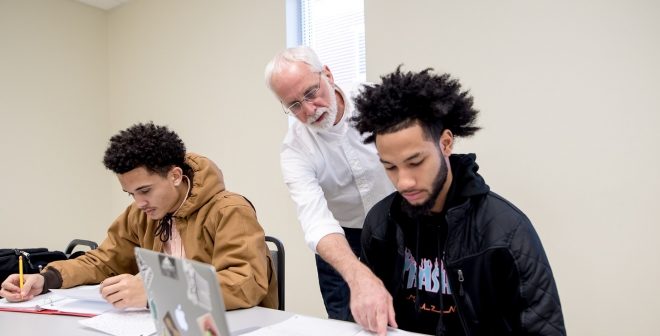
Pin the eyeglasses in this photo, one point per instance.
(296, 107)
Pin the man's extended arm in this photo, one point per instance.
(371, 303)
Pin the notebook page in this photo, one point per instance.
(79, 306)
(34, 304)
(124, 323)
(298, 325)
(88, 293)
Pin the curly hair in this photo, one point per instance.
(146, 145)
(402, 99)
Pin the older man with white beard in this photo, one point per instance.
(334, 180)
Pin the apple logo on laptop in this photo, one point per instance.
(180, 317)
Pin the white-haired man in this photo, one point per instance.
(334, 179)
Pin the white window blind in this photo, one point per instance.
(335, 30)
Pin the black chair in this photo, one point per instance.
(79, 242)
(278, 258)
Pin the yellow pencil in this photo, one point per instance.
(20, 274)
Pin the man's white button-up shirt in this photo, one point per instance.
(333, 177)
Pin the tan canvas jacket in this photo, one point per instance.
(217, 227)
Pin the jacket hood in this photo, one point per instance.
(207, 182)
(467, 182)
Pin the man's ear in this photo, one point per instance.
(326, 71)
(446, 142)
(176, 174)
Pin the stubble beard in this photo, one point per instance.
(424, 209)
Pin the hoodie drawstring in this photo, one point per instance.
(164, 228)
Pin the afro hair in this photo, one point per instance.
(145, 145)
(434, 101)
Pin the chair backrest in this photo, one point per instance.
(79, 242)
(278, 257)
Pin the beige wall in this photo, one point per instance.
(568, 94)
(53, 84)
(197, 66)
(72, 75)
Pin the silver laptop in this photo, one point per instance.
(183, 295)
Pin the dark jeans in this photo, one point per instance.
(335, 291)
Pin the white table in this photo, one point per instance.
(27, 324)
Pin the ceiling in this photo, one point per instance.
(104, 4)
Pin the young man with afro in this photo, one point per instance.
(457, 258)
(181, 208)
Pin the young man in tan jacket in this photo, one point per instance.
(181, 208)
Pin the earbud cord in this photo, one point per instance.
(187, 193)
(164, 228)
(177, 209)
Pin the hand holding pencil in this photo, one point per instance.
(11, 290)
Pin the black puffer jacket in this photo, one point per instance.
(498, 272)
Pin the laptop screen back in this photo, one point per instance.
(183, 295)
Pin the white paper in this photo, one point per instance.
(298, 325)
(390, 332)
(89, 293)
(36, 302)
(79, 306)
(128, 323)
(59, 300)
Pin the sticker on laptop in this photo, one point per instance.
(145, 271)
(153, 309)
(207, 325)
(199, 290)
(167, 267)
(170, 325)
